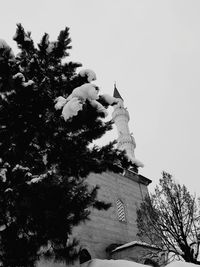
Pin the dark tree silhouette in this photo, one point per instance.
(44, 160)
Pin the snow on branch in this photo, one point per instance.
(74, 102)
(90, 74)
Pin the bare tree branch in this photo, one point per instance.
(169, 219)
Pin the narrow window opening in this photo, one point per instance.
(121, 211)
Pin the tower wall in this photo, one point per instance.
(121, 118)
(104, 227)
(125, 139)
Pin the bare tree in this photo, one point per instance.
(170, 219)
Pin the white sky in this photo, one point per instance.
(151, 48)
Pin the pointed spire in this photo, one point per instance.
(116, 93)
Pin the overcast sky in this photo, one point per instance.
(151, 48)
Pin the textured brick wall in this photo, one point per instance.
(104, 228)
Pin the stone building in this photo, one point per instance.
(112, 234)
(108, 230)
(115, 227)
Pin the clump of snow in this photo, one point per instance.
(27, 39)
(51, 67)
(29, 83)
(100, 108)
(137, 163)
(8, 190)
(110, 99)
(60, 102)
(4, 45)
(72, 108)
(15, 36)
(50, 47)
(20, 167)
(35, 180)
(2, 227)
(28, 174)
(19, 75)
(3, 174)
(90, 74)
(74, 102)
(64, 78)
(86, 91)
(18, 56)
(41, 177)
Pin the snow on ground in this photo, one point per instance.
(125, 263)
(180, 264)
(111, 263)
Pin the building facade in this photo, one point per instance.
(113, 233)
(108, 229)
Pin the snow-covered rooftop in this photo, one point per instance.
(134, 243)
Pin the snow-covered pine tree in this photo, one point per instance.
(44, 160)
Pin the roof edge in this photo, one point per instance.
(133, 244)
